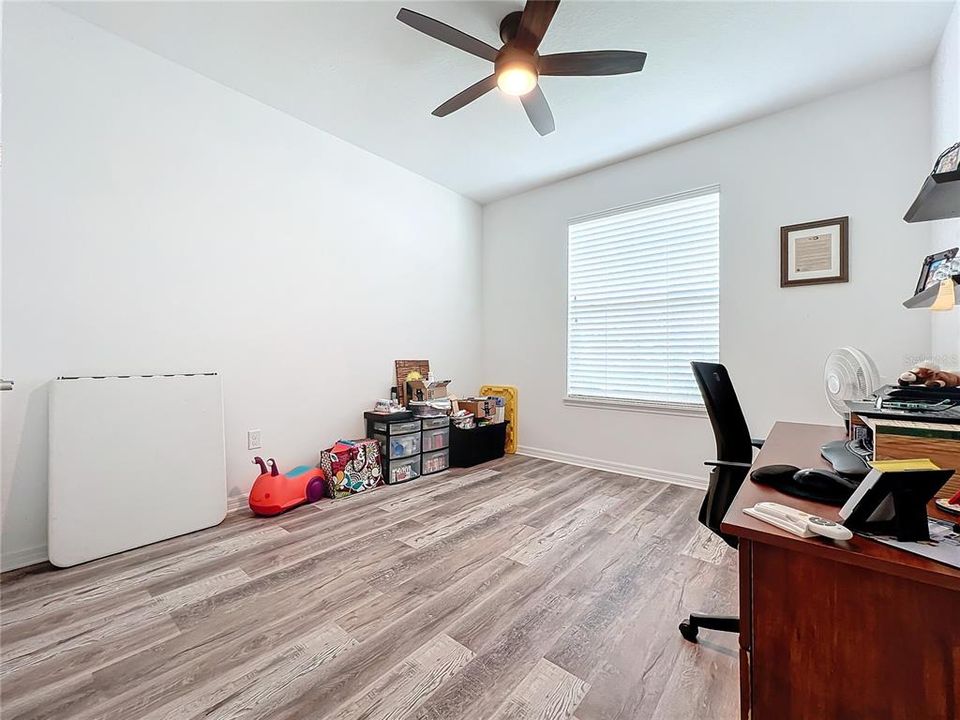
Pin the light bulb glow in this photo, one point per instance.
(517, 80)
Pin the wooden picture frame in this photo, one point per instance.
(403, 368)
(815, 253)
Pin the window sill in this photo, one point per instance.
(638, 406)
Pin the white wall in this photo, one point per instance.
(155, 221)
(945, 131)
(860, 154)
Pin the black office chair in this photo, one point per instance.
(734, 457)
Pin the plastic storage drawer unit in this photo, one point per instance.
(399, 471)
(397, 428)
(436, 439)
(432, 423)
(399, 446)
(435, 462)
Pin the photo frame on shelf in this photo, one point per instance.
(949, 160)
(815, 253)
(930, 265)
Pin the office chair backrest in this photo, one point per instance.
(733, 444)
(729, 426)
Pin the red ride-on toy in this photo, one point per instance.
(272, 493)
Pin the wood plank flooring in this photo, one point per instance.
(523, 589)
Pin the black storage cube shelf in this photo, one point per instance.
(477, 445)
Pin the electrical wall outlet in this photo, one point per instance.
(253, 440)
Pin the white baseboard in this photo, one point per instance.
(691, 481)
(32, 556)
(22, 558)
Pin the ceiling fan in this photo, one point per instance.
(518, 65)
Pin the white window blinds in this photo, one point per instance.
(644, 300)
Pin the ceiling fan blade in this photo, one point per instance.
(467, 96)
(449, 35)
(534, 22)
(596, 62)
(538, 110)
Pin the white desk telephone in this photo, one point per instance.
(797, 522)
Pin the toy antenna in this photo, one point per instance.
(273, 467)
(259, 461)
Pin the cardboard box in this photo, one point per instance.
(422, 390)
(482, 408)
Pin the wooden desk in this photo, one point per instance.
(839, 630)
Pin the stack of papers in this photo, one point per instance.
(943, 545)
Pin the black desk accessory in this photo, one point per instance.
(811, 484)
(915, 402)
(896, 504)
(921, 393)
(848, 457)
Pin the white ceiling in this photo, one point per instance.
(352, 69)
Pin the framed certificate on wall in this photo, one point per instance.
(814, 253)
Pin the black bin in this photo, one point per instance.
(477, 445)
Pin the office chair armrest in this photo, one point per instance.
(757, 442)
(726, 463)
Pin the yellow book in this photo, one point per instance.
(903, 465)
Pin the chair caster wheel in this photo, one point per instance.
(688, 631)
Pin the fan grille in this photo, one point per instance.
(849, 374)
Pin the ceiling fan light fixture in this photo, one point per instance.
(518, 64)
(517, 79)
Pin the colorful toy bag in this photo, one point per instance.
(351, 466)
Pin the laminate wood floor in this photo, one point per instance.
(520, 589)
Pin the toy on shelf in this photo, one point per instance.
(273, 492)
(929, 375)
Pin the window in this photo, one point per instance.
(643, 301)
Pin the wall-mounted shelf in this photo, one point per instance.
(939, 198)
(925, 299)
